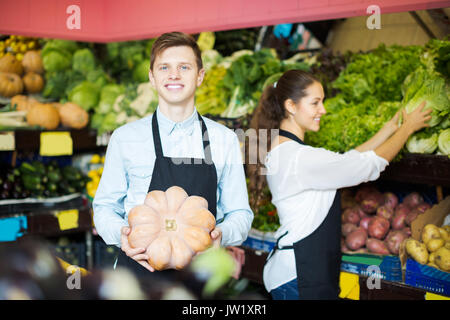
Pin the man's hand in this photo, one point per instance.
(137, 254)
(216, 236)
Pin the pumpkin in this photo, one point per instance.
(10, 84)
(32, 62)
(33, 82)
(23, 103)
(9, 63)
(73, 116)
(44, 115)
(172, 226)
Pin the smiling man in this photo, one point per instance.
(173, 146)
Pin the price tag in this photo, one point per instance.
(56, 144)
(433, 296)
(349, 284)
(67, 219)
(7, 141)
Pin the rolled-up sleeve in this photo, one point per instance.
(233, 200)
(321, 169)
(108, 204)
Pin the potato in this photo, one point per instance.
(431, 264)
(430, 231)
(417, 250)
(442, 259)
(447, 228)
(431, 257)
(434, 244)
(377, 246)
(444, 234)
(447, 245)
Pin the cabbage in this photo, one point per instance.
(417, 144)
(140, 72)
(57, 54)
(83, 60)
(56, 60)
(444, 142)
(85, 94)
(433, 91)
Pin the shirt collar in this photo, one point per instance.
(167, 126)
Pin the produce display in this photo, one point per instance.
(172, 226)
(95, 173)
(376, 222)
(375, 85)
(38, 180)
(433, 249)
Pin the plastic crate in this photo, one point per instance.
(104, 255)
(389, 266)
(427, 278)
(74, 253)
(259, 240)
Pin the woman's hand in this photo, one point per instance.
(417, 119)
(393, 124)
(412, 122)
(137, 254)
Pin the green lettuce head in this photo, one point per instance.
(417, 143)
(86, 95)
(433, 90)
(83, 61)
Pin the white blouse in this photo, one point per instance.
(303, 181)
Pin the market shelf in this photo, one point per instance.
(389, 290)
(72, 216)
(420, 169)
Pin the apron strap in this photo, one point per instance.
(157, 138)
(290, 135)
(205, 138)
(277, 247)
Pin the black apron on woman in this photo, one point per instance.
(318, 256)
(196, 176)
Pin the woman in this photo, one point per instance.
(303, 180)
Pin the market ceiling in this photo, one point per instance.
(116, 20)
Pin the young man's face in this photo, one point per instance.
(175, 76)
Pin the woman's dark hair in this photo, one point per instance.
(268, 115)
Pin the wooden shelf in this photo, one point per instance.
(83, 140)
(420, 169)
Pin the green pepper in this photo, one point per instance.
(26, 168)
(39, 166)
(31, 182)
(54, 175)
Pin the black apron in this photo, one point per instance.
(196, 176)
(318, 256)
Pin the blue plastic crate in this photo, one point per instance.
(258, 244)
(427, 278)
(390, 266)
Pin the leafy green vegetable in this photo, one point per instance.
(85, 94)
(140, 72)
(422, 144)
(83, 60)
(216, 266)
(57, 54)
(56, 60)
(432, 89)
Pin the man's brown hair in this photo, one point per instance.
(175, 39)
